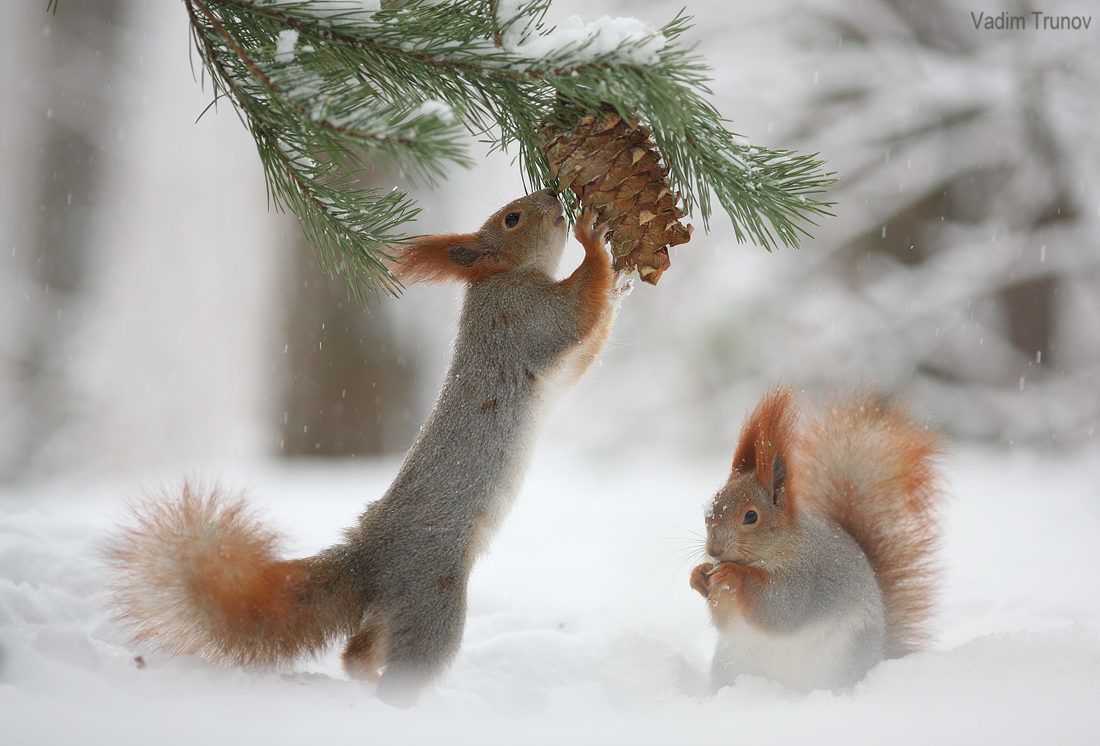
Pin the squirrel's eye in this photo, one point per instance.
(511, 219)
(750, 517)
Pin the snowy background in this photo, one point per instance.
(155, 320)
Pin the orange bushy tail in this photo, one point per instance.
(198, 575)
(872, 469)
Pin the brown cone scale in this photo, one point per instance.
(613, 164)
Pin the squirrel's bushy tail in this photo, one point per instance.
(873, 470)
(196, 574)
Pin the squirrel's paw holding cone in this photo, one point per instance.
(590, 229)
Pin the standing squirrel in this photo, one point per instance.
(823, 543)
(198, 575)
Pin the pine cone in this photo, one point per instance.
(613, 164)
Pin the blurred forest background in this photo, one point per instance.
(155, 315)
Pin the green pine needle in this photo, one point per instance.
(326, 89)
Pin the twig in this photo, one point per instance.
(498, 38)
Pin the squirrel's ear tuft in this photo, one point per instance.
(766, 442)
(744, 459)
(453, 256)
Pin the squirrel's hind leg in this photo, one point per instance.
(365, 652)
(424, 635)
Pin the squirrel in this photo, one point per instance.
(198, 575)
(822, 543)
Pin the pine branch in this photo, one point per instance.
(327, 88)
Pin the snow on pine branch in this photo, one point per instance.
(284, 45)
(630, 39)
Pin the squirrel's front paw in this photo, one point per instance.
(590, 229)
(700, 579)
(725, 577)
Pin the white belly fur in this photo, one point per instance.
(818, 656)
(551, 384)
(500, 502)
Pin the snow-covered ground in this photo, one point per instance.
(582, 628)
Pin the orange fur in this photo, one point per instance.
(731, 589)
(700, 582)
(769, 432)
(593, 344)
(754, 581)
(591, 282)
(449, 257)
(724, 594)
(197, 575)
(872, 470)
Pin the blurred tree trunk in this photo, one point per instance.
(74, 61)
(349, 385)
(1030, 312)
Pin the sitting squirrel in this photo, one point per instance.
(197, 575)
(822, 543)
